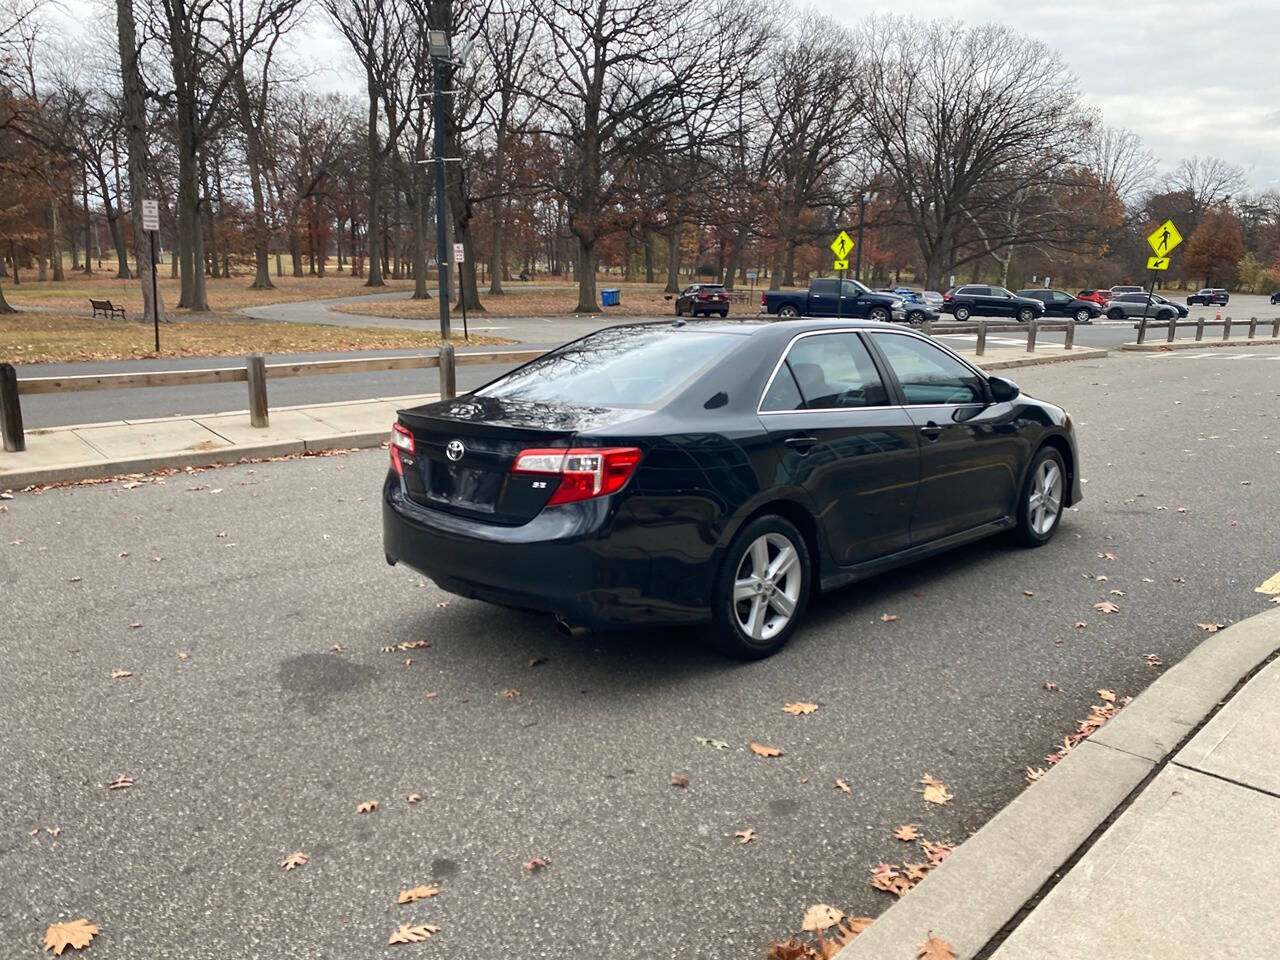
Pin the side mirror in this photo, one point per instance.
(1002, 390)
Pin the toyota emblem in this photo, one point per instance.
(454, 450)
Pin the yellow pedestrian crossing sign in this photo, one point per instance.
(1163, 239)
(842, 246)
(842, 265)
(1157, 263)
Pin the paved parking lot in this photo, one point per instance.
(251, 606)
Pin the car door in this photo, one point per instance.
(822, 298)
(969, 447)
(1003, 302)
(842, 438)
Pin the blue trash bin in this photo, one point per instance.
(611, 297)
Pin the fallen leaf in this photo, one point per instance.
(906, 832)
(414, 798)
(53, 831)
(1209, 627)
(746, 836)
(33, 831)
(1116, 593)
(1035, 773)
(679, 780)
(708, 742)
(1027, 593)
(183, 655)
(1106, 606)
(935, 949)
(369, 806)
(1101, 578)
(537, 661)
(1106, 556)
(536, 864)
(889, 617)
(1152, 659)
(134, 626)
(1080, 625)
(1107, 695)
(884, 877)
(511, 694)
(294, 860)
(416, 894)
(799, 709)
(843, 787)
(1059, 640)
(120, 783)
(77, 935)
(1147, 580)
(121, 674)
(75, 579)
(762, 750)
(1050, 685)
(336, 648)
(935, 791)
(122, 554)
(821, 916)
(407, 933)
(936, 852)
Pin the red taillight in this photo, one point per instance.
(763, 302)
(584, 472)
(946, 296)
(401, 439)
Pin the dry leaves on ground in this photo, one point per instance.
(935, 949)
(120, 783)
(1034, 774)
(121, 674)
(821, 916)
(1099, 714)
(1152, 659)
(843, 787)
(1209, 627)
(294, 860)
(77, 935)
(535, 864)
(369, 806)
(511, 694)
(1106, 556)
(763, 750)
(1106, 606)
(1050, 685)
(537, 661)
(747, 835)
(411, 933)
(885, 877)
(679, 780)
(709, 742)
(799, 709)
(935, 791)
(841, 932)
(889, 617)
(906, 832)
(417, 893)
(1107, 695)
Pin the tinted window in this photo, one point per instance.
(976, 291)
(826, 288)
(928, 374)
(626, 366)
(1000, 292)
(1131, 298)
(783, 394)
(835, 370)
(1035, 294)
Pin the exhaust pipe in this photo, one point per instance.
(568, 629)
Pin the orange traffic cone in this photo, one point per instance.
(1218, 318)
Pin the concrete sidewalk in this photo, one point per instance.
(60, 454)
(1158, 837)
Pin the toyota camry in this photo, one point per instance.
(718, 472)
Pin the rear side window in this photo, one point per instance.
(825, 288)
(624, 367)
(927, 374)
(783, 394)
(835, 370)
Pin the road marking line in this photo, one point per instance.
(1270, 586)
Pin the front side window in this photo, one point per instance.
(927, 374)
(834, 370)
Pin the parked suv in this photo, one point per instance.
(1100, 297)
(1133, 305)
(1210, 297)
(707, 298)
(979, 300)
(1059, 303)
(1125, 288)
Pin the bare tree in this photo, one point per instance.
(1120, 161)
(1207, 181)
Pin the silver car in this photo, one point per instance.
(1133, 305)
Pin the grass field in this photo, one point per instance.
(46, 337)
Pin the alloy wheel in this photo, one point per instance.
(766, 586)
(1045, 501)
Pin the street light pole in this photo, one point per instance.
(863, 199)
(438, 47)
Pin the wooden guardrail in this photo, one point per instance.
(256, 372)
(1033, 328)
(1200, 323)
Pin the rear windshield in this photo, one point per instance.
(624, 367)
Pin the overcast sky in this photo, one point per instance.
(1191, 77)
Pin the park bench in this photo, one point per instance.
(106, 308)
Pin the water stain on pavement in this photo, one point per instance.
(442, 869)
(315, 681)
(785, 807)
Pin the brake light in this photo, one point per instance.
(946, 296)
(703, 295)
(401, 440)
(763, 301)
(584, 472)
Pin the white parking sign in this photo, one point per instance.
(150, 215)
(458, 253)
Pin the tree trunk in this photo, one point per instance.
(374, 156)
(735, 260)
(585, 267)
(418, 210)
(253, 160)
(295, 250)
(279, 264)
(88, 221)
(648, 258)
(4, 304)
(673, 257)
(135, 124)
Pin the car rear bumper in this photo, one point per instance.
(563, 562)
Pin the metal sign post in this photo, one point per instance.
(459, 257)
(151, 224)
(1163, 239)
(841, 246)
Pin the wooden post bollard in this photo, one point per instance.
(1253, 327)
(1275, 328)
(1226, 329)
(256, 369)
(1142, 330)
(448, 372)
(982, 337)
(1173, 329)
(1199, 329)
(10, 411)
(1032, 327)
(1069, 339)
(927, 328)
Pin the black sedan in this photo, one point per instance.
(980, 300)
(1059, 303)
(720, 472)
(1275, 298)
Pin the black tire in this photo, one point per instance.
(879, 313)
(1116, 314)
(1083, 315)
(1163, 315)
(962, 313)
(728, 635)
(915, 316)
(723, 314)
(1026, 315)
(788, 311)
(679, 312)
(1031, 531)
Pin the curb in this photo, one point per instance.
(1158, 346)
(985, 884)
(223, 456)
(1076, 353)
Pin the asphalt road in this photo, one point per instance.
(285, 714)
